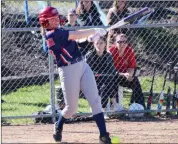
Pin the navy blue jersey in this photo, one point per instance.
(63, 50)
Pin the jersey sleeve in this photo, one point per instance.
(132, 59)
(62, 36)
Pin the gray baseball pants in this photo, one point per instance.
(74, 78)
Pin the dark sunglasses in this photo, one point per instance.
(119, 42)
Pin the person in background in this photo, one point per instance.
(101, 63)
(75, 74)
(72, 18)
(88, 14)
(125, 63)
(117, 12)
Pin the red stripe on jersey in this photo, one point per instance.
(50, 42)
(51, 31)
(52, 53)
(66, 52)
(63, 59)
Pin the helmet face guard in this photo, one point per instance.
(44, 22)
(48, 14)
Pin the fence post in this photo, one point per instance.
(26, 11)
(52, 88)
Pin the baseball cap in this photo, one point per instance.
(72, 11)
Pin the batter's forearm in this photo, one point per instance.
(80, 34)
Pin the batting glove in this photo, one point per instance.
(100, 31)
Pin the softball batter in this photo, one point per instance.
(74, 72)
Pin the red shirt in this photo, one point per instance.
(122, 63)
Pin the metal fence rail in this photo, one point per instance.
(26, 87)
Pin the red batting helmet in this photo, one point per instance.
(46, 14)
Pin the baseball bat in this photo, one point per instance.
(151, 89)
(106, 75)
(26, 12)
(168, 97)
(129, 18)
(168, 103)
(113, 75)
(175, 94)
(120, 23)
(161, 98)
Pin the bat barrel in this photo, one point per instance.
(137, 14)
(129, 18)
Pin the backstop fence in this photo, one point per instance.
(30, 82)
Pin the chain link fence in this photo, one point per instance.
(30, 79)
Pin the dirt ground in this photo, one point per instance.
(132, 131)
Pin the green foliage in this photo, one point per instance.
(162, 42)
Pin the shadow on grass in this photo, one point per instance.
(122, 117)
(30, 104)
(9, 109)
(36, 104)
(145, 118)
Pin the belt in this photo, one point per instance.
(75, 60)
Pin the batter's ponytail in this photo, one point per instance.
(43, 32)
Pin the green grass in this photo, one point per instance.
(157, 87)
(158, 83)
(28, 100)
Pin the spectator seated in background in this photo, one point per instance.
(72, 18)
(83, 44)
(117, 12)
(125, 63)
(101, 63)
(88, 14)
